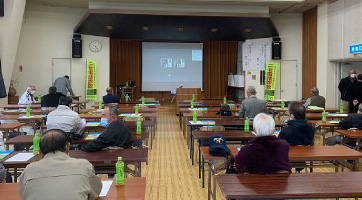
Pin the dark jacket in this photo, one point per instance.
(346, 87)
(352, 121)
(51, 100)
(297, 132)
(116, 134)
(264, 155)
(110, 98)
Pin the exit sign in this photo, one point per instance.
(355, 49)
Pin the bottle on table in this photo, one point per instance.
(36, 146)
(127, 83)
(127, 98)
(192, 104)
(246, 125)
(282, 104)
(194, 117)
(224, 100)
(27, 111)
(324, 116)
(143, 100)
(39, 98)
(119, 172)
(193, 97)
(341, 108)
(136, 110)
(100, 105)
(139, 128)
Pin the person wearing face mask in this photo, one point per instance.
(297, 131)
(28, 96)
(349, 95)
(116, 133)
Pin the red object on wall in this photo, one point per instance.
(20, 68)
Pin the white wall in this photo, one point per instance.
(47, 34)
(290, 28)
(10, 34)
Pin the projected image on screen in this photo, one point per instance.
(167, 66)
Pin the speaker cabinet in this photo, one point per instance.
(76, 48)
(277, 50)
(2, 8)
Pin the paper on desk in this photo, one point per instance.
(20, 157)
(106, 185)
(334, 122)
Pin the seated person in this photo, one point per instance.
(315, 99)
(58, 176)
(51, 100)
(252, 106)
(265, 154)
(116, 133)
(110, 97)
(297, 131)
(27, 97)
(64, 118)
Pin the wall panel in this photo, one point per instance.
(309, 70)
(220, 59)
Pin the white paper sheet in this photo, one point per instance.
(20, 157)
(106, 185)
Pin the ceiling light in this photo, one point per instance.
(109, 27)
(145, 28)
(248, 30)
(214, 30)
(180, 29)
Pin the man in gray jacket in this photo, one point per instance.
(58, 176)
(63, 84)
(252, 106)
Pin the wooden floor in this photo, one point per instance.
(169, 172)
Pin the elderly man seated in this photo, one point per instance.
(252, 106)
(265, 154)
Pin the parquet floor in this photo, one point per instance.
(169, 172)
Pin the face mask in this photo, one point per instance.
(104, 122)
(32, 92)
(353, 75)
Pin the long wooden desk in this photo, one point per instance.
(353, 134)
(318, 116)
(14, 106)
(204, 103)
(134, 188)
(296, 154)
(7, 127)
(104, 158)
(19, 112)
(222, 122)
(324, 127)
(298, 185)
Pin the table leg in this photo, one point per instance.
(151, 142)
(356, 165)
(209, 181)
(15, 174)
(6, 138)
(199, 141)
(214, 185)
(180, 119)
(192, 148)
(203, 172)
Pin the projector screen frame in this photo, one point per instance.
(173, 41)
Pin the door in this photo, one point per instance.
(61, 67)
(288, 79)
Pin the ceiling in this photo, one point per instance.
(276, 6)
(177, 28)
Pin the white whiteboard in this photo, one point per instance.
(256, 53)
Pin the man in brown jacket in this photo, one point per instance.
(58, 176)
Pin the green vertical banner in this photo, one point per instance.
(91, 81)
(270, 80)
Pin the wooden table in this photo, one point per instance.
(7, 127)
(354, 134)
(78, 105)
(19, 112)
(296, 154)
(223, 122)
(28, 139)
(104, 158)
(14, 106)
(298, 185)
(324, 127)
(204, 103)
(279, 112)
(134, 188)
(330, 116)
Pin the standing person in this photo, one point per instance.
(28, 96)
(58, 176)
(63, 84)
(348, 94)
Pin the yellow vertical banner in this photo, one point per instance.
(91, 80)
(270, 80)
